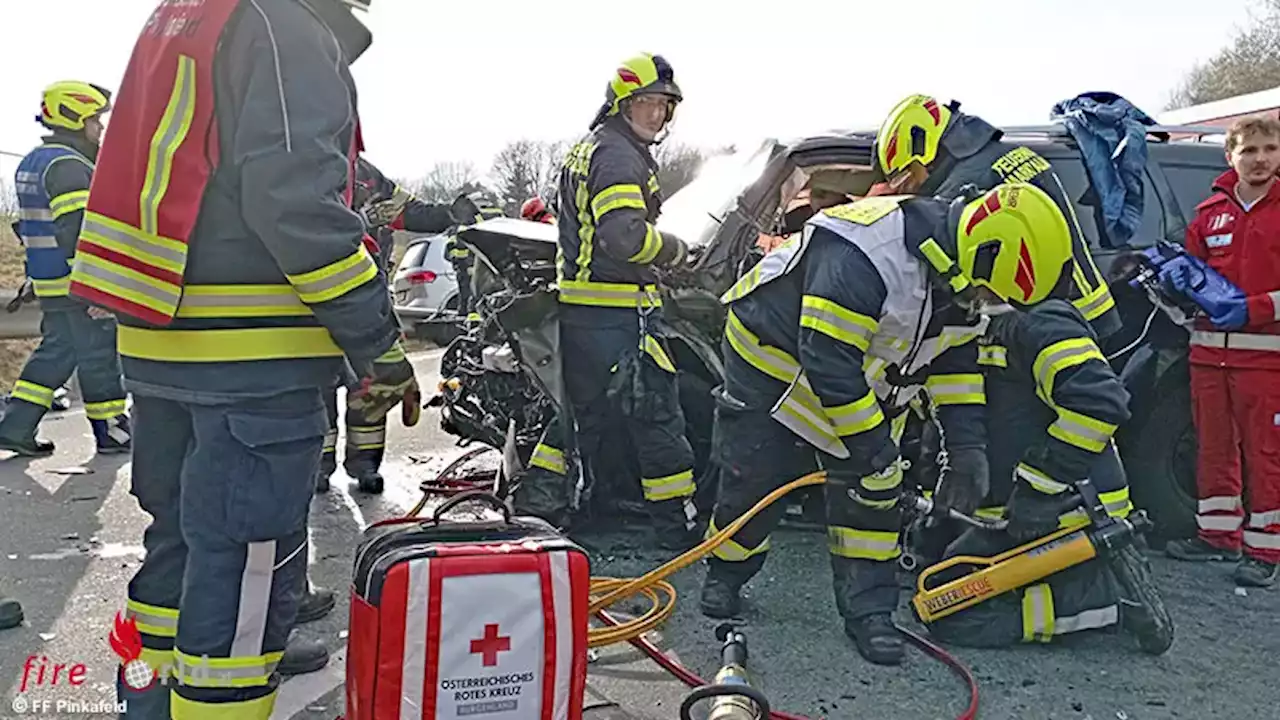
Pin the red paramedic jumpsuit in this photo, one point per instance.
(1235, 376)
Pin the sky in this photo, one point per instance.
(450, 81)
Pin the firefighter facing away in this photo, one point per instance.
(241, 281)
(926, 148)
(473, 207)
(616, 366)
(53, 186)
(828, 341)
(385, 207)
(1053, 405)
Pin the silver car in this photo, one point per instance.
(426, 289)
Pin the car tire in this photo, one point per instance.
(1161, 464)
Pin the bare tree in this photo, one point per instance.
(677, 166)
(444, 181)
(524, 168)
(1249, 64)
(8, 202)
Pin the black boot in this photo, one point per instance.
(877, 639)
(29, 447)
(370, 481)
(1142, 610)
(328, 466)
(302, 657)
(675, 524)
(10, 613)
(315, 604)
(722, 588)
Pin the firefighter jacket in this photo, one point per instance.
(52, 183)
(975, 155)
(610, 199)
(849, 323)
(1244, 246)
(1053, 404)
(239, 273)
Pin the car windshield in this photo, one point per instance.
(694, 212)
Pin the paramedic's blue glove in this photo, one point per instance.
(1225, 314)
(1177, 275)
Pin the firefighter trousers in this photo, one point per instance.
(1237, 416)
(462, 274)
(229, 488)
(70, 342)
(366, 441)
(545, 489)
(755, 456)
(610, 379)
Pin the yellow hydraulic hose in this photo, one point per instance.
(654, 586)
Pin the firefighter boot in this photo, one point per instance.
(866, 596)
(674, 523)
(113, 435)
(370, 481)
(328, 466)
(1142, 610)
(302, 657)
(28, 447)
(10, 613)
(316, 603)
(722, 588)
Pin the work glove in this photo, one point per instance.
(387, 382)
(381, 213)
(673, 252)
(464, 210)
(966, 480)
(1031, 513)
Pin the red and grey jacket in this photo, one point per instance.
(219, 225)
(1244, 246)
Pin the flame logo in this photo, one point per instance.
(126, 643)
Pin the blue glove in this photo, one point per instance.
(1225, 314)
(1177, 275)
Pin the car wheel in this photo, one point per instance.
(1161, 464)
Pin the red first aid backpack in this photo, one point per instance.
(474, 618)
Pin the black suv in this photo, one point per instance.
(742, 199)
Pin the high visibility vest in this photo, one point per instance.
(47, 264)
(875, 226)
(154, 166)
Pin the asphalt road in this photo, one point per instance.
(70, 538)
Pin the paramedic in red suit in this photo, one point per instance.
(1235, 362)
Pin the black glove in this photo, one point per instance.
(1031, 513)
(673, 252)
(387, 382)
(966, 481)
(464, 210)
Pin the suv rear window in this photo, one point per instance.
(414, 254)
(1088, 207)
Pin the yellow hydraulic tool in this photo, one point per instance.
(1025, 564)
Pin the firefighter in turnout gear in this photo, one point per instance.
(470, 208)
(240, 279)
(616, 366)
(926, 148)
(53, 186)
(1053, 405)
(385, 207)
(828, 340)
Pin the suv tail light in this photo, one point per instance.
(420, 277)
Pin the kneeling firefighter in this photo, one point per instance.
(616, 367)
(926, 148)
(828, 340)
(1053, 404)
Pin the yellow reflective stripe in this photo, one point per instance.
(1116, 503)
(586, 231)
(574, 292)
(1060, 356)
(995, 512)
(33, 393)
(957, 389)
(993, 356)
(1039, 480)
(127, 283)
(330, 441)
(371, 437)
(616, 197)
(105, 410)
(1037, 614)
(1081, 431)
(887, 479)
(733, 551)
(864, 544)
(153, 619)
(838, 322)
(771, 361)
(665, 488)
(150, 248)
(57, 287)
(856, 417)
(168, 137)
(335, 279)
(652, 246)
(654, 349)
(394, 354)
(233, 301)
(1095, 302)
(159, 660)
(204, 671)
(226, 345)
(67, 203)
(548, 458)
(259, 709)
